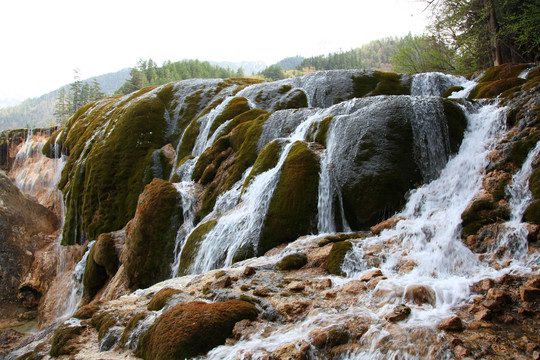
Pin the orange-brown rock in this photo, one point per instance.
(452, 323)
(384, 225)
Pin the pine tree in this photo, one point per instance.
(75, 91)
(95, 91)
(61, 108)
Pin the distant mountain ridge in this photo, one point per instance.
(39, 111)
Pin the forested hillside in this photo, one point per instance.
(39, 112)
(375, 55)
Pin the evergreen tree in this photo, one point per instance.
(75, 92)
(95, 91)
(62, 110)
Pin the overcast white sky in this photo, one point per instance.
(42, 41)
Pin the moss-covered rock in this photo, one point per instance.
(482, 212)
(87, 311)
(337, 256)
(191, 329)
(493, 89)
(102, 321)
(293, 209)
(319, 130)
(100, 182)
(381, 172)
(295, 99)
(457, 123)
(150, 239)
(95, 276)
(532, 213)
(224, 163)
(193, 242)
(161, 298)
(380, 83)
(64, 341)
(105, 254)
(451, 90)
(267, 159)
(522, 147)
(130, 326)
(504, 71)
(292, 262)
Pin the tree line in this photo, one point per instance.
(147, 73)
(79, 94)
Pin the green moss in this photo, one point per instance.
(161, 298)
(150, 240)
(95, 276)
(292, 262)
(503, 71)
(242, 141)
(496, 88)
(285, 89)
(87, 311)
(63, 340)
(534, 73)
(193, 242)
(236, 106)
(293, 209)
(521, 148)
(391, 84)
(480, 213)
(532, 83)
(499, 192)
(534, 182)
(532, 213)
(457, 123)
(379, 83)
(337, 256)
(102, 322)
(132, 323)
(49, 148)
(99, 181)
(246, 251)
(296, 99)
(341, 237)
(267, 159)
(319, 130)
(452, 89)
(105, 254)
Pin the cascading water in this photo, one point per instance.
(423, 250)
(512, 237)
(69, 304)
(428, 237)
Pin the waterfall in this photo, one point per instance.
(69, 304)
(512, 235)
(242, 224)
(427, 236)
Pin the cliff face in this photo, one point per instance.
(25, 227)
(200, 175)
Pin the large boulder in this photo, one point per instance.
(293, 209)
(150, 237)
(376, 154)
(191, 329)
